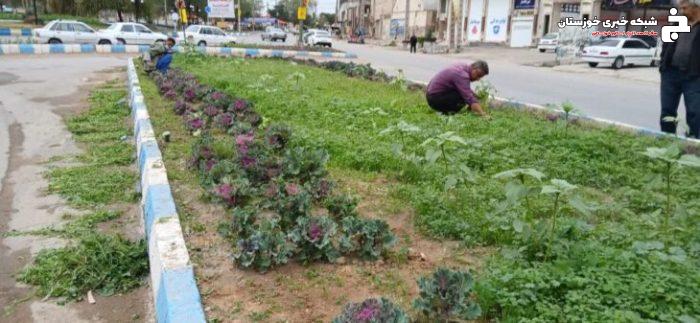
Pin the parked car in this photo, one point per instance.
(71, 32)
(317, 37)
(273, 34)
(206, 36)
(549, 41)
(619, 52)
(133, 33)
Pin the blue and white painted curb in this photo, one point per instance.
(620, 125)
(175, 292)
(13, 32)
(29, 49)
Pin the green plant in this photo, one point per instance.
(107, 264)
(265, 248)
(297, 77)
(438, 147)
(445, 296)
(485, 92)
(304, 164)
(367, 237)
(313, 237)
(557, 188)
(342, 206)
(517, 188)
(670, 156)
(372, 310)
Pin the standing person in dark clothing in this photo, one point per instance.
(413, 41)
(680, 73)
(449, 91)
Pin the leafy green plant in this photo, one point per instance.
(556, 188)
(313, 237)
(265, 248)
(297, 77)
(439, 149)
(445, 296)
(372, 310)
(304, 164)
(517, 187)
(671, 156)
(342, 206)
(107, 264)
(367, 237)
(403, 128)
(485, 92)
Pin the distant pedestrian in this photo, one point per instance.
(414, 42)
(680, 73)
(450, 90)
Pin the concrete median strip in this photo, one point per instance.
(175, 292)
(35, 49)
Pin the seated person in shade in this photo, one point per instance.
(159, 56)
(450, 90)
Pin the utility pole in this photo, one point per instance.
(239, 16)
(406, 23)
(165, 11)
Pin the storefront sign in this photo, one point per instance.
(476, 12)
(524, 4)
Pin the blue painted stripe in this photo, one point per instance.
(87, 48)
(302, 53)
(118, 48)
(4, 31)
(225, 50)
(144, 124)
(56, 48)
(252, 52)
(277, 53)
(1, 52)
(143, 48)
(327, 54)
(26, 31)
(26, 48)
(178, 299)
(202, 49)
(149, 150)
(159, 203)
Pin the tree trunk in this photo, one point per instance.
(119, 13)
(46, 7)
(137, 10)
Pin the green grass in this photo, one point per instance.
(616, 262)
(103, 263)
(10, 16)
(103, 179)
(106, 264)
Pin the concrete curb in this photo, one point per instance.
(620, 125)
(33, 49)
(9, 32)
(175, 292)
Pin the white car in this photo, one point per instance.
(202, 35)
(71, 32)
(549, 41)
(619, 52)
(134, 34)
(317, 37)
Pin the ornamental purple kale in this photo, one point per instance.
(195, 123)
(211, 111)
(445, 296)
(224, 120)
(264, 248)
(190, 94)
(277, 136)
(234, 193)
(320, 188)
(291, 202)
(368, 238)
(218, 99)
(304, 164)
(342, 206)
(238, 106)
(372, 310)
(181, 107)
(313, 237)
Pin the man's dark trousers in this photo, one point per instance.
(673, 84)
(446, 103)
(413, 47)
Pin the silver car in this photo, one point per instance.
(134, 34)
(71, 32)
(273, 34)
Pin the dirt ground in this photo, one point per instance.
(314, 293)
(36, 94)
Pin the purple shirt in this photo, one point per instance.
(454, 78)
